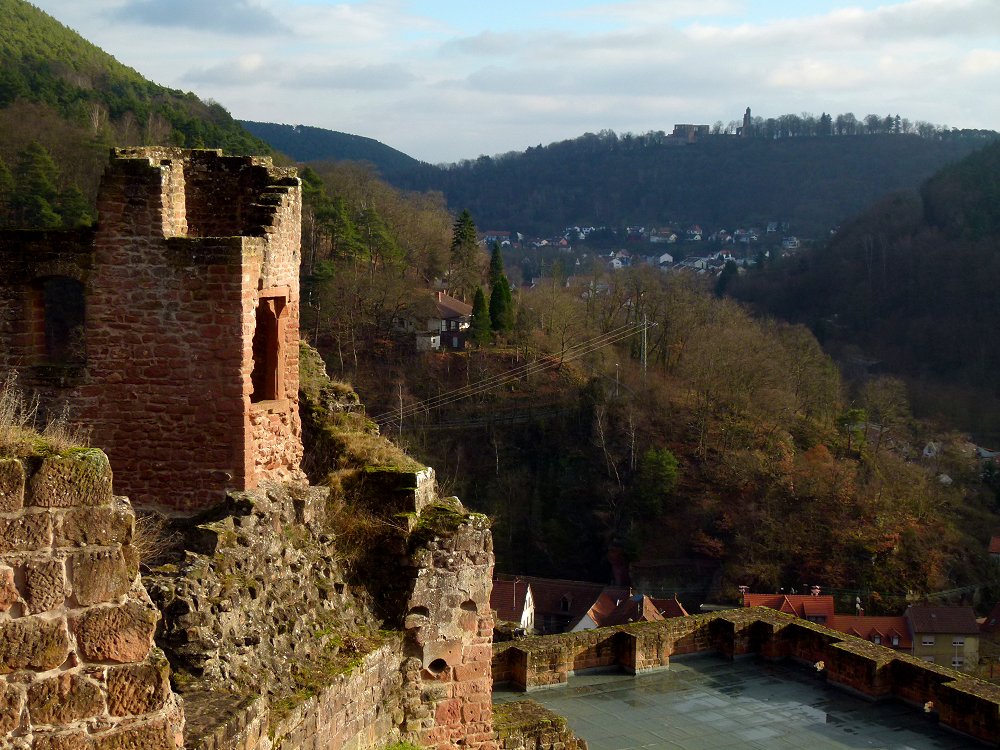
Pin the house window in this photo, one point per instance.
(895, 640)
(564, 604)
(58, 317)
(927, 640)
(929, 659)
(877, 639)
(957, 661)
(958, 642)
(265, 377)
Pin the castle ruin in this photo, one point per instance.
(171, 330)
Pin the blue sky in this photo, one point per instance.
(445, 80)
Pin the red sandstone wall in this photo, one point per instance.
(170, 320)
(77, 668)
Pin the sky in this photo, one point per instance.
(445, 80)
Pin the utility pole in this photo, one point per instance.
(645, 325)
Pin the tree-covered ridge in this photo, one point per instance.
(719, 181)
(911, 286)
(45, 62)
(307, 144)
(65, 100)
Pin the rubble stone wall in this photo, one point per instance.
(78, 670)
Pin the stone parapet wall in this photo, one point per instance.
(358, 710)
(961, 702)
(78, 670)
(526, 725)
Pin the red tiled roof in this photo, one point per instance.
(670, 607)
(507, 598)
(570, 599)
(637, 608)
(995, 545)
(800, 605)
(866, 627)
(449, 307)
(957, 620)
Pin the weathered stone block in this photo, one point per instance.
(11, 705)
(45, 584)
(139, 688)
(64, 699)
(32, 642)
(82, 478)
(8, 591)
(156, 734)
(75, 739)
(105, 525)
(27, 533)
(11, 485)
(121, 633)
(100, 575)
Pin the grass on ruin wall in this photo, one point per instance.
(23, 431)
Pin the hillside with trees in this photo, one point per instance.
(64, 102)
(812, 183)
(912, 287)
(308, 144)
(736, 456)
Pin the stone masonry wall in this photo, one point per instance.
(449, 628)
(961, 702)
(78, 670)
(187, 244)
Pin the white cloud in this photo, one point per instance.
(378, 68)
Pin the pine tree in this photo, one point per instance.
(465, 273)
(496, 264)
(501, 306)
(480, 328)
(36, 177)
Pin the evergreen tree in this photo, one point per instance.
(74, 208)
(496, 264)
(464, 276)
(36, 177)
(480, 328)
(501, 306)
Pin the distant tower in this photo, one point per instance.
(745, 130)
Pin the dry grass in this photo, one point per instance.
(153, 539)
(24, 432)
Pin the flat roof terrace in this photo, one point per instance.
(708, 701)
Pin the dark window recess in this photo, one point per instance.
(63, 313)
(266, 373)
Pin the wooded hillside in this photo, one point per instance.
(912, 287)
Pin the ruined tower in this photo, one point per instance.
(171, 330)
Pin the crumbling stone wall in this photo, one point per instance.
(448, 680)
(191, 299)
(77, 665)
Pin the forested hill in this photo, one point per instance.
(64, 101)
(720, 181)
(911, 286)
(305, 143)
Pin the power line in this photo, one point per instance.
(571, 353)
